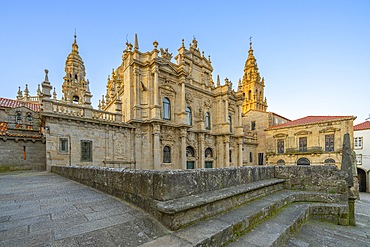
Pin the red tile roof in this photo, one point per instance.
(362, 126)
(311, 120)
(10, 103)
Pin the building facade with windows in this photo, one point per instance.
(22, 144)
(310, 140)
(159, 112)
(362, 150)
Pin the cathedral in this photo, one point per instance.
(159, 112)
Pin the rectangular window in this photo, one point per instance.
(86, 150)
(189, 164)
(260, 159)
(250, 157)
(253, 125)
(280, 146)
(63, 145)
(302, 144)
(359, 159)
(208, 164)
(329, 143)
(358, 142)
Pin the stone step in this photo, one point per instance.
(180, 212)
(275, 231)
(221, 229)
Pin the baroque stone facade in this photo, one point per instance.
(157, 113)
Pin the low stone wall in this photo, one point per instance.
(163, 185)
(145, 188)
(314, 178)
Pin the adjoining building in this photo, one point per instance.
(312, 140)
(22, 145)
(362, 149)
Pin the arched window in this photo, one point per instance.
(249, 95)
(166, 154)
(166, 104)
(281, 162)
(329, 162)
(190, 151)
(303, 162)
(230, 123)
(75, 99)
(208, 153)
(189, 118)
(230, 156)
(208, 121)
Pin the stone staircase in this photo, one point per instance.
(266, 215)
(242, 206)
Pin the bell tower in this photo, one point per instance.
(75, 87)
(253, 85)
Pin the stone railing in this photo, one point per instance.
(142, 187)
(74, 110)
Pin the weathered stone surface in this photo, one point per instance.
(347, 159)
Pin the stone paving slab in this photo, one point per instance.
(43, 209)
(316, 233)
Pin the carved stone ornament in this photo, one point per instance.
(165, 54)
(188, 98)
(207, 103)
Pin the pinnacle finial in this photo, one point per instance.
(136, 43)
(46, 75)
(250, 42)
(182, 43)
(155, 44)
(218, 80)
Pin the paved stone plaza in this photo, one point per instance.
(43, 209)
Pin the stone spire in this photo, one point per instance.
(136, 43)
(75, 87)
(19, 94)
(252, 85)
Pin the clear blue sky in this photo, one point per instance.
(314, 55)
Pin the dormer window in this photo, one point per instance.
(29, 117)
(18, 117)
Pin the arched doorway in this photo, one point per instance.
(208, 158)
(361, 179)
(281, 162)
(190, 157)
(329, 161)
(303, 162)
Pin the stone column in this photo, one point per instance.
(156, 147)
(183, 101)
(183, 147)
(226, 111)
(240, 152)
(156, 108)
(137, 94)
(226, 150)
(156, 87)
(201, 151)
